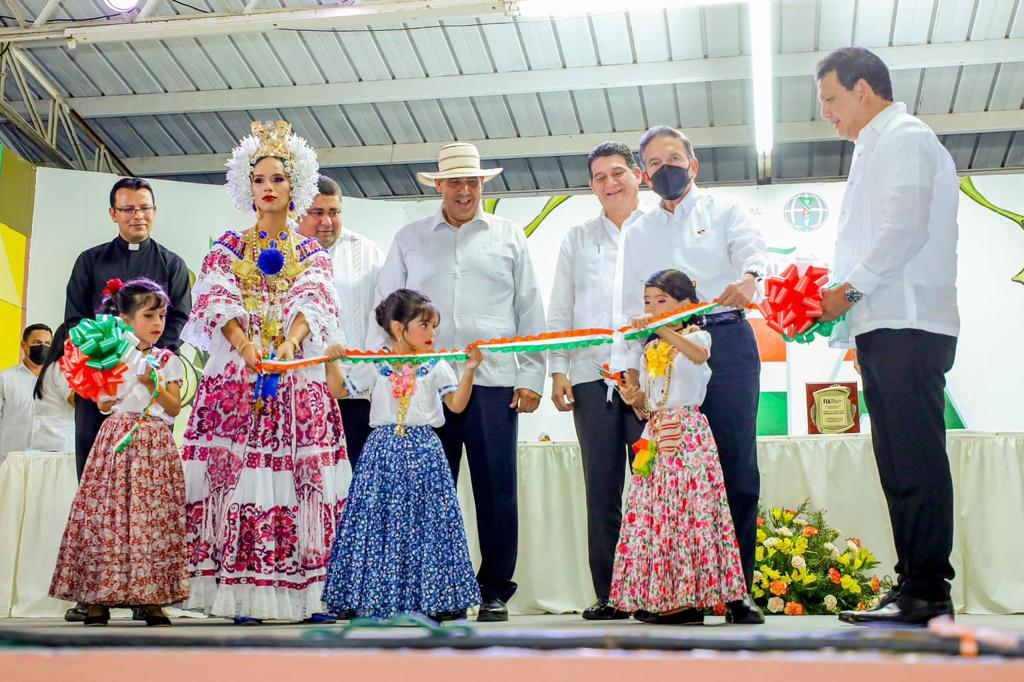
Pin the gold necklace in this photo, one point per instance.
(269, 257)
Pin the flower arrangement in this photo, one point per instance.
(804, 568)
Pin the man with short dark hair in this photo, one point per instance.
(17, 403)
(357, 260)
(713, 241)
(581, 298)
(896, 259)
(132, 253)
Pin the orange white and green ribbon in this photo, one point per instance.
(567, 340)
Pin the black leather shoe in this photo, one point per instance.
(449, 615)
(344, 614)
(684, 617)
(156, 619)
(904, 610)
(602, 610)
(77, 613)
(139, 613)
(744, 612)
(492, 611)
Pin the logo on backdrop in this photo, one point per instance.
(805, 212)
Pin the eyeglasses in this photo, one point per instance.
(320, 213)
(129, 211)
(459, 182)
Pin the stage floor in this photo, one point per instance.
(527, 648)
(549, 624)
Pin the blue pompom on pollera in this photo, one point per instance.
(270, 261)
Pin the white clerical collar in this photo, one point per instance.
(132, 246)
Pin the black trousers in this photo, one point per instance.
(489, 428)
(904, 373)
(731, 408)
(605, 430)
(355, 419)
(87, 425)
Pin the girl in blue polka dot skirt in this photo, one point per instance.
(401, 546)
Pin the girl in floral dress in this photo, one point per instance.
(124, 543)
(264, 455)
(401, 546)
(677, 550)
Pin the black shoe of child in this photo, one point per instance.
(684, 617)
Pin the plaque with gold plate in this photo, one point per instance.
(833, 408)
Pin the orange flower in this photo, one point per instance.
(794, 609)
(720, 610)
(810, 531)
(855, 541)
(760, 521)
(876, 584)
(779, 588)
(835, 575)
(862, 607)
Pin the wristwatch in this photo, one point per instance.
(757, 275)
(852, 295)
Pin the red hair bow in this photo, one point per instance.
(113, 286)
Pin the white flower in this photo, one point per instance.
(770, 542)
(757, 576)
(303, 173)
(852, 546)
(784, 532)
(776, 605)
(829, 547)
(830, 603)
(799, 522)
(798, 562)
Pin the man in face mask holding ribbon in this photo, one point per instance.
(712, 240)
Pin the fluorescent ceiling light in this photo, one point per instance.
(571, 8)
(761, 73)
(121, 5)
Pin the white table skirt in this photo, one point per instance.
(836, 473)
(36, 489)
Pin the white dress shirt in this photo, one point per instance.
(482, 281)
(53, 420)
(434, 380)
(708, 237)
(581, 295)
(897, 233)
(688, 384)
(17, 406)
(357, 261)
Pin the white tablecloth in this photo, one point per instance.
(836, 473)
(36, 489)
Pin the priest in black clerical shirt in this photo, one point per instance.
(130, 255)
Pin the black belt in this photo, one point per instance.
(727, 317)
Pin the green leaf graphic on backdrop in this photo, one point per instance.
(968, 188)
(491, 205)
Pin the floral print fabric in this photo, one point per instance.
(401, 544)
(124, 543)
(264, 488)
(677, 546)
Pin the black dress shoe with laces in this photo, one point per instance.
(904, 610)
(684, 617)
(602, 610)
(744, 612)
(443, 616)
(492, 611)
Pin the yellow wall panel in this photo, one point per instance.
(12, 265)
(10, 339)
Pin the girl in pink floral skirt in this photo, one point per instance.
(677, 552)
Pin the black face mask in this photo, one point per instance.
(37, 354)
(670, 182)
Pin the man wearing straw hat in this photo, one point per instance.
(477, 270)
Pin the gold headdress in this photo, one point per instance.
(273, 139)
